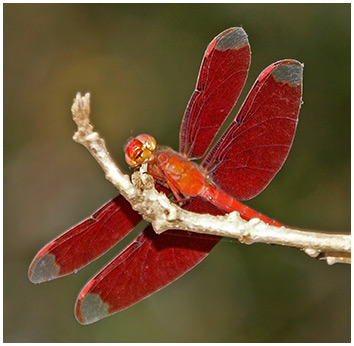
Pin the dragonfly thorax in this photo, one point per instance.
(139, 150)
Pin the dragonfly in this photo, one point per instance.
(240, 164)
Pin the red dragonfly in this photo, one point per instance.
(239, 166)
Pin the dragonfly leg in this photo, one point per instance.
(175, 191)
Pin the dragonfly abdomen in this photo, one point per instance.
(229, 204)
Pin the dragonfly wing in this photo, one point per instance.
(221, 78)
(256, 144)
(84, 242)
(148, 264)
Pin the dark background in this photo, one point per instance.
(140, 63)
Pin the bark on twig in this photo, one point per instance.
(155, 207)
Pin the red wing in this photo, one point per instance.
(148, 264)
(256, 144)
(221, 78)
(85, 242)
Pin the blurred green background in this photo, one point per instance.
(140, 63)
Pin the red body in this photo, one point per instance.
(187, 179)
(240, 165)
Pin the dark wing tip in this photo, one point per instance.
(288, 71)
(90, 308)
(232, 38)
(43, 269)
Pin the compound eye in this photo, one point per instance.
(132, 151)
(130, 162)
(139, 149)
(148, 142)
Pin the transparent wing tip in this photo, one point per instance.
(289, 71)
(232, 38)
(43, 269)
(90, 308)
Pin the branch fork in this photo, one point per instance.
(155, 207)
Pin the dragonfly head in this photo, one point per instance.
(139, 150)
